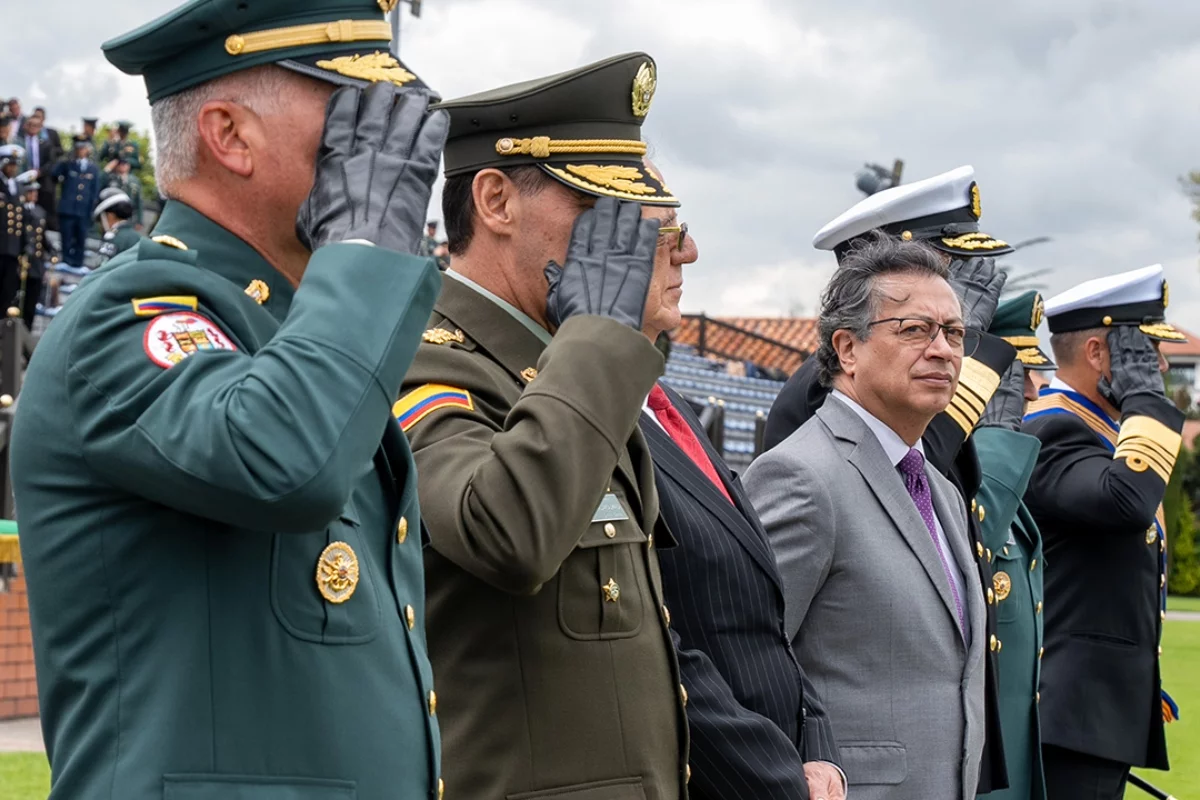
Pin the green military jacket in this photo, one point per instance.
(125, 148)
(220, 528)
(1007, 459)
(120, 238)
(547, 625)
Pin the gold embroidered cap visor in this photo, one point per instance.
(582, 127)
(345, 42)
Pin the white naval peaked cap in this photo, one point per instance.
(1138, 297)
(12, 152)
(110, 201)
(943, 211)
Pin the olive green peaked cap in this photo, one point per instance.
(1016, 322)
(583, 127)
(341, 41)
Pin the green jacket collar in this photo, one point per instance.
(222, 252)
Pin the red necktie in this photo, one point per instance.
(681, 433)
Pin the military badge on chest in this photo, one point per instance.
(170, 338)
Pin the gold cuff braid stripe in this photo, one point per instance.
(1138, 458)
(1145, 442)
(544, 146)
(1143, 427)
(342, 30)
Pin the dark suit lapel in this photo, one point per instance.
(676, 463)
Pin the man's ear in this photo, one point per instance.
(844, 345)
(230, 134)
(496, 200)
(1095, 350)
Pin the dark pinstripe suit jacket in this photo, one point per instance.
(753, 716)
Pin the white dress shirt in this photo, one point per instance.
(896, 449)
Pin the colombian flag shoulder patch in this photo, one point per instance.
(153, 306)
(424, 400)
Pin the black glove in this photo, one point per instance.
(978, 284)
(375, 169)
(1007, 406)
(609, 263)
(1133, 362)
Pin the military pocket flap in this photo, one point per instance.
(620, 789)
(602, 534)
(255, 787)
(877, 763)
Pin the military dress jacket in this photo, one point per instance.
(120, 238)
(1096, 494)
(1007, 460)
(548, 631)
(122, 148)
(215, 509)
(36, 246)
(12, 214)
(80, 187)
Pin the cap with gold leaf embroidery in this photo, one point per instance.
(582, 127)
(342, 41)
(942, 211)
(1138, 297)
(1016, 322)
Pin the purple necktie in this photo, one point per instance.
(912, 467)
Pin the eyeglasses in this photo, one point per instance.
(665, 232)
(917, 332)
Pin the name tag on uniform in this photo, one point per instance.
(609, 510)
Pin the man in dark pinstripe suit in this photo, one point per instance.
(758, 729)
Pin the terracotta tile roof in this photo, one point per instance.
(1189, 348)
(799, 333)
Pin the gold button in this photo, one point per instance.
(1162, 581)
(683, 693)
(982, 513)
(666, 615)
(432, 702)
(650, 541)
(992, 643)
(1037, 698)
(1033, 565)
(1160, 651)
(1005, 549)
(410, 616)
(687, 773)
(441, 789)
(991, 597)
(402, 530)
(999, 645)
(1041, 652)
(610, 530)
(989, 554)
(1039, 607)
(979, 548)
(1151, 535)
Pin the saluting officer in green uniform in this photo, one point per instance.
(1007, 458)
(218, 514)
(547, 624)
(119, 147)
(122, 177)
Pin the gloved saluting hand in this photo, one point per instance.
(1007, 406)
(978, 284)
(609, 263)
(1133, 362)
(375, 169)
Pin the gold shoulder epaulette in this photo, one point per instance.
(443, 336)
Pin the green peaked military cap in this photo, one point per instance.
(342, 41)
(1016, 322)
(582, 127)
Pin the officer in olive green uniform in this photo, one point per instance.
(122, 177)
(547, 625)
(120, 148)
(1007, 458)
(218, 515)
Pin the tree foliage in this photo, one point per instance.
(1182, 498)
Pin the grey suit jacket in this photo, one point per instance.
(870, 609)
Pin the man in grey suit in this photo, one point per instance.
(885, 615)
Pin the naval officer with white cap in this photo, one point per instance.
(942, 211)
(1109, 441)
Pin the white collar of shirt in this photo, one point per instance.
(893, 446)
(1058, 383)
(514, 312)
(650, 412)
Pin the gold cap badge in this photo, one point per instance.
(1003, 585)
(644, 84)
(976, 206)
(387, 5)
(337, 572)
(1039, 312)
(528, 374)
(1166, 296)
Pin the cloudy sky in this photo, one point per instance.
(1078, 115)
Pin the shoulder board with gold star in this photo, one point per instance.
(443, 336)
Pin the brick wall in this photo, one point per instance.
(18, 687)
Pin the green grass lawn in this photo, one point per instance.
(1183, 603)
(25, 776)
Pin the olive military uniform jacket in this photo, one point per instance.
(1095, 494)
(1006, 459)
(119, 238)
(547, 627)
(214, 505)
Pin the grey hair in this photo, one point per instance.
(1068, 346)
(850, 300)
(176, 134)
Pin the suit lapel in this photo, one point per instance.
(886, 484)
(676, 463)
